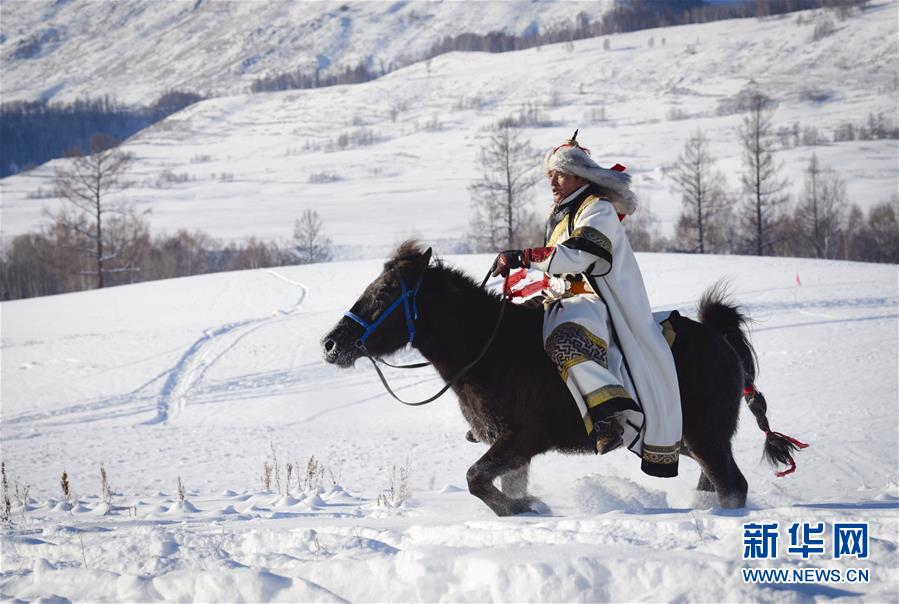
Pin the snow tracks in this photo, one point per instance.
(215, 342)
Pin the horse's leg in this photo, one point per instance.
(509, 452)
(720, 469)
(514, 484)
(704, 483)
(735, 495)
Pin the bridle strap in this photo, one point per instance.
(411, 312)
(371, 327)
(458, 376)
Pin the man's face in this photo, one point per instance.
(563, 184)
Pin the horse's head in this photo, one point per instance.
(383, 318)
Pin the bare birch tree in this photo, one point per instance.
(763, 186)
(702, 194)
(88, 184)
(309, 241)
(819, 214)
(500, 195)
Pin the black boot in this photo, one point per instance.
(608, 435)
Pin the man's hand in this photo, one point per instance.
(507, 261)
(512, 259)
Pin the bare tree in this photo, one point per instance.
(761, 182)
(877, 240)
(499, 197)
(255, 253)
(702, 194)
(69, 252)
(87, 183)
(182, 254)
(854, 223)
(23, 273)
(819, 214)
(643, 233)
(724, 238)
(309, 241)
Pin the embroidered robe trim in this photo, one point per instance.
(638, 382)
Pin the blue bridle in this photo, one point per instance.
(408, 298)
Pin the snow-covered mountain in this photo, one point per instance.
(205, 379)
(134, 50)
(393, 157)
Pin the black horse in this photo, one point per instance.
(513, 397)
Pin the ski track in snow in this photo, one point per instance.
(129, 403)
(181, 380)
(205, 352)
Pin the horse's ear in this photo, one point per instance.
(426, 257)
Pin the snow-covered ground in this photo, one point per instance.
(201, 379)
(251, 164)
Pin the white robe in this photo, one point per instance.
(608, 348)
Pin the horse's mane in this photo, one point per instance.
(407, 259)
(407, 256)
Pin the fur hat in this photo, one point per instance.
(571, 158)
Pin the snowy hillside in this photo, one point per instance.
(391, 158)
(201, 378)
(134, 50)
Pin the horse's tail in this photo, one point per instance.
(727, 318)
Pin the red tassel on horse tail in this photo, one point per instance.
(789, 470)
(779, 448)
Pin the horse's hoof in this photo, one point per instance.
(527, 505)
(538, 507)
(608, 436)
(608, 444)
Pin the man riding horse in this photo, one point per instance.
(598, 327)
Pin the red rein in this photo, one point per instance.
(526, 290)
